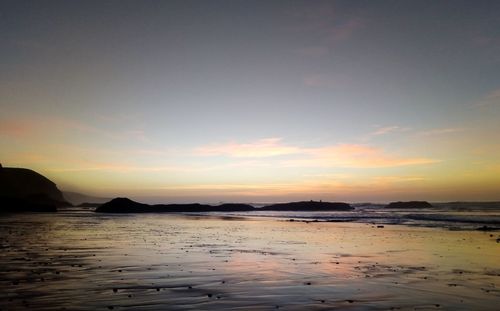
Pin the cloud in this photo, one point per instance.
(440, 131)
(329, 186)
(340, 155)
(490, 99)
(308, 187)
(268, 147)
(35, 127)
(16, 128)
(356, 156)
(387, 130)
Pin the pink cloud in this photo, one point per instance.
(355, 156)
(340, 155)
(32, 128)
(16, 128)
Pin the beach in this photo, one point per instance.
(80, 260)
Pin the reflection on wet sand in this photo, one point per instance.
(81, 261)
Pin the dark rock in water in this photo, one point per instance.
(125, 205)
(309, 206)
(232, 207)
(409, 204)
(122, 205)
(487, 228)
(24, 190)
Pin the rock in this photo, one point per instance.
(309, 206)
(24, 190)
(409, 204)
(487, 228)
(125, 205)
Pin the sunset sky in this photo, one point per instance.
(254, 101)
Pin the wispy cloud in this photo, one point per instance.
(490, 99)
(385, 130)
(329, 186)
(32, 128)
(16, 128)
(268, 147)
(340, 155)
(440, 131)
(356, 156)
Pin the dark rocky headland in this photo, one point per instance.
(24, 190)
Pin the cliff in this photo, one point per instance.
(25, 190)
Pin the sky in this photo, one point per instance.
(254, 101)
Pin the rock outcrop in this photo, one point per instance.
(309, 206)
(409, 204)
(23, 190)
(125, 205)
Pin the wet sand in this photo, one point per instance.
(83, 261)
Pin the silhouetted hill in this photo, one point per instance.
(309, 206)
(124, 205)
(409, 204)
(25, 190)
